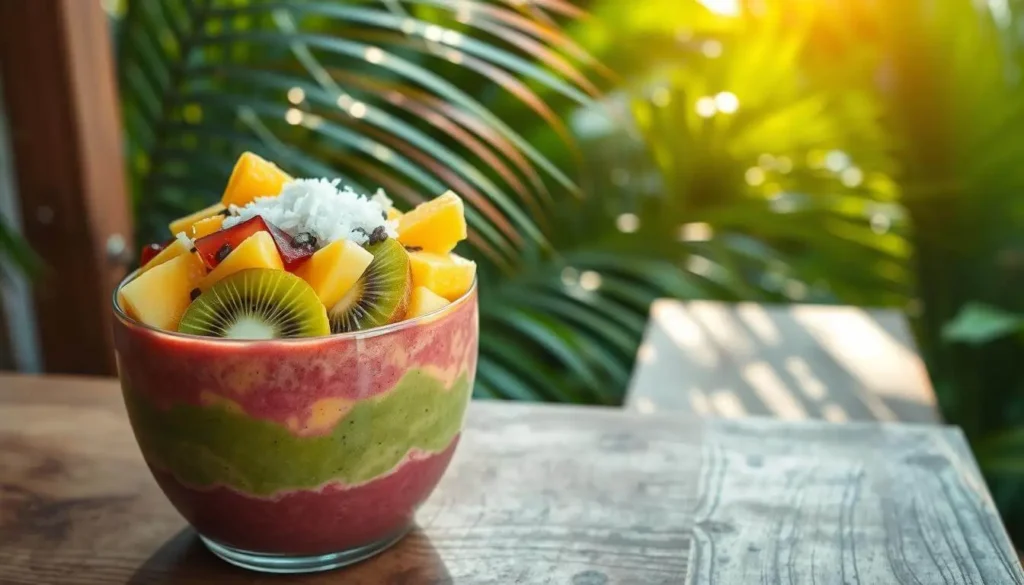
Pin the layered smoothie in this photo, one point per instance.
(296, 362)
(301, 447)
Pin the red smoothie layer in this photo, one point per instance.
(310, 522)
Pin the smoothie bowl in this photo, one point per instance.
(296, 436)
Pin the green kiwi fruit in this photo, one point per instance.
(380, 296)
(258, 303)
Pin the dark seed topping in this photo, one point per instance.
(413, 249)
(379, 235)
(225, 212)
(222, 252)
(305, 240)
(194, 294)
(384, 214)
(192, 250)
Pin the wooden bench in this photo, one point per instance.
(788, 361)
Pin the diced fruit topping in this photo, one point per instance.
(216, 246)
(173, 249)
(257, 251)
(206, 226)
(333, 270)
(253, 177)
(435, 225)
(257, 303)
(392, 214)
(159, 296)
(448, 275)
(380, 296)
(150, 251)
(184, 224)
(422, 301)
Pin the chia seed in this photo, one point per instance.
(222, 252)
(413, 249)
(194, 294)
(306, 240)
(379, 235)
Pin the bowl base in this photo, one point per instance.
(282, 563)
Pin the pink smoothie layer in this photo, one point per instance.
(311, 522)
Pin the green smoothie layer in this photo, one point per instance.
(215, 444)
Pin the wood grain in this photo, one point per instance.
(860, 503)
(794, 362)
(56, 65)
(535, 495)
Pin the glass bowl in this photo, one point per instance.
(300, 455)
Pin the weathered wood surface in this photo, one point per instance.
(537, 495)
(793, 362)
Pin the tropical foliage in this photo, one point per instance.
(613, 152)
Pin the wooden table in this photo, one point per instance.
(836, 363)
(537, 494)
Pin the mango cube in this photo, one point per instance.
(184, 224)
(173, 250)
(393, 214)
(206, 226)
(253, 177)
(159, 296)
(422, 300)
(334, 269)
(256, 251)
(435, 226)
(447, 275)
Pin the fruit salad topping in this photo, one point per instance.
(280, 257)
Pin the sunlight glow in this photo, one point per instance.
(570, 276)
(784, 164)
(293, 116)
(696, 231)
(754, 176)
(627, 223)
(852, 177)
(727, 102)
(344, 101)
(661, 97)
(706, 107)
(358, 110)
(374, 55)
(836, 160)
(451, 37)
(296, 95)
(880, 223)
(712, 49)
(433, 33)
(590, 280)
(722, 7)
(382, 152)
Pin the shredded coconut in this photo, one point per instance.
(319, 207)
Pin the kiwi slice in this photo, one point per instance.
(380, 296)
(258, 303)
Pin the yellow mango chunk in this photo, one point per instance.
(159, 296)
(448, 275)
(207, 226)
(436, 225)
(175, 249)
(422, 300)
(184, 224)
(253, 177)
(393, 214)
(333, 269)
(256, 251)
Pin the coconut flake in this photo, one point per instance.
(319, 207)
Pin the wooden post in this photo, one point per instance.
(57, 72)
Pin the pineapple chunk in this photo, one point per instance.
(173, 250)
(184, 224)
(333, 269)
(256, 251)
(207, 226)
(422, 300)
(447, 275)
(160, 296)
(253, 177)
(436, 225)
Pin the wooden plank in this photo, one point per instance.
(535, 495)
(789, 361)
(57, 71)
(538, 494)
(861, 503)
